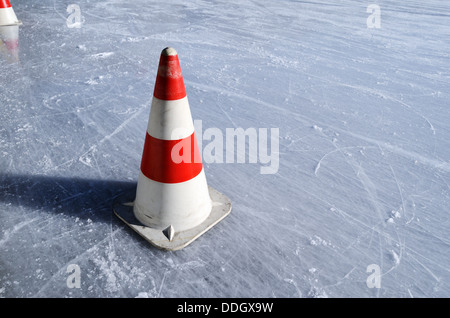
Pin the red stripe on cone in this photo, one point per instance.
(158, 162)
(169, 83)
(4, 4)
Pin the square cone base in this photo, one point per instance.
(123, 209)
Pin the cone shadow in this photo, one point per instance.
(83, 198)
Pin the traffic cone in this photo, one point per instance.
(7, 15)
(9, 42)
(173, 204)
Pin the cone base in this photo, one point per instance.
(221, 207)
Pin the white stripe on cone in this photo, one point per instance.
(170, 119)
(8, 17)
(183, 205)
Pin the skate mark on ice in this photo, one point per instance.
(318, 165)
(442, 165)
(9, 232)
(76, 260)
(85, 158)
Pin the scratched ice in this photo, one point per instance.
(364, 147)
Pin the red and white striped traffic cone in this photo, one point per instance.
(9, 42)
(7, 15)
(173, 204)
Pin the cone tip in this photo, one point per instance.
(169, 51)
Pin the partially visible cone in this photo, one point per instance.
(9, 42)
(173, 204)
(7, 15)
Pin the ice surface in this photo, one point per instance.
(364, 148)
